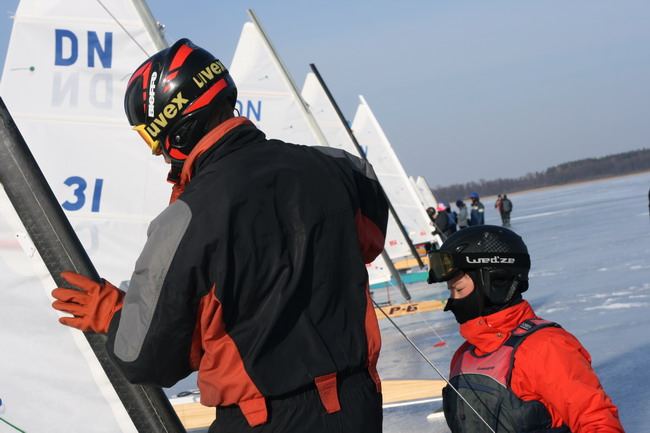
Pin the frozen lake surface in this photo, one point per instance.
(590, 251)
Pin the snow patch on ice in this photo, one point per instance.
(618, 306)
(553, 310)
(543, 274)
(521, 218)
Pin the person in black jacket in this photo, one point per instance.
(505, 209)
(453, 219)
(255, 274)
(442, 221)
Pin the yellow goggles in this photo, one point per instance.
(441, 267)
(154, 145)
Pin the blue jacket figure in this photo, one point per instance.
(477, 216)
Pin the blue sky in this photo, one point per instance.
(465, 90)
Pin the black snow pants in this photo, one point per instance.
(361, 411)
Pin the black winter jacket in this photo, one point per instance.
(256, 274)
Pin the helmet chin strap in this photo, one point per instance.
(174, 175)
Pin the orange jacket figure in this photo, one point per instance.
(551, 366)
(516, 372)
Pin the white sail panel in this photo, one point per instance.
(63, 82)
(67, 65)
(337, 136)
(416, 189)
(428, 199)
(391, 174)
(51, 379)
(326, 116)
(266, 93)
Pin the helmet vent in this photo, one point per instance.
(493, 244)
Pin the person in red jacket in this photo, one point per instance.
(255, 274)
(515, 372)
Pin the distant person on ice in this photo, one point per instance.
(520, 373)
(505, 208)
(477, 215)
(463, 216)
(453, 218)
(442, 220)
(497, 204)
(255, 274)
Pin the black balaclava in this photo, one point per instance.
(477, 303)
(467, 308)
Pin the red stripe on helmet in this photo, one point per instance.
(180, 56)
(208, 96)
(142, 72)
(177, 154)
(171, 76)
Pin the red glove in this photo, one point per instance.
(93, 308)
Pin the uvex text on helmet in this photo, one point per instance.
(171, 98)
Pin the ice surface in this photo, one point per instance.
(590, 251)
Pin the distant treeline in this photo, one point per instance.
(570, 172)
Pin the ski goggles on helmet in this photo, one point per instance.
(444, 266)
(154, 145)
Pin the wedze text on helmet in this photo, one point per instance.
(495, 259)
(203, 77)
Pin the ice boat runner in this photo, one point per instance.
(63, 82)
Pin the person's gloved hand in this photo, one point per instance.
(93, 308)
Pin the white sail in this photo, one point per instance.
(266, 93)
(391, 174)
(66, 69)
(426, 195)
(417, 190)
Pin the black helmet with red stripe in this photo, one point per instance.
(175, 96)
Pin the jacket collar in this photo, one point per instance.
(488, 333)
(206, 143)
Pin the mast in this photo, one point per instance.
(153, 27)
